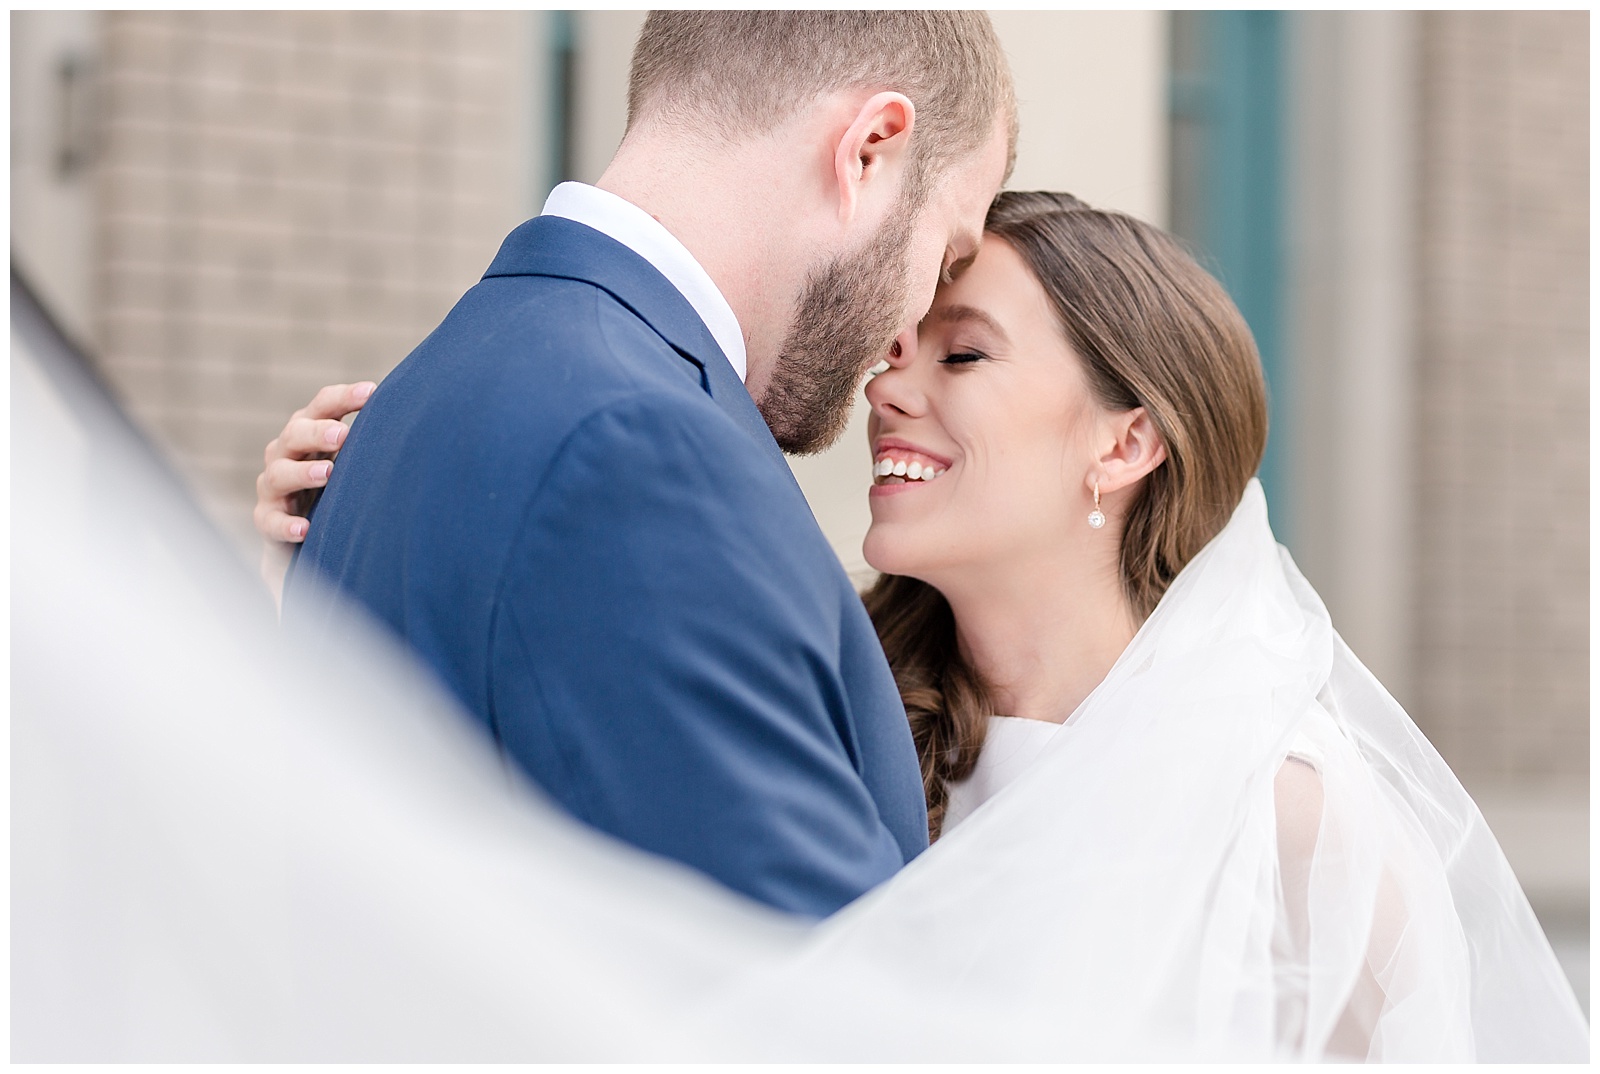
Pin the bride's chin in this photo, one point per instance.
(885, 555)
(872, 551)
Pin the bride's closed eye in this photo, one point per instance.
(967, 357)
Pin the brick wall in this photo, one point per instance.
(1503, 393)
(287, 199)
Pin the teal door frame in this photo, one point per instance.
(1227, 109)
(561, 43)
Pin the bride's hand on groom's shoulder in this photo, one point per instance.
(299, 459)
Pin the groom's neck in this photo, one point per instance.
(741, 210)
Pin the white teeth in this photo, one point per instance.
(899, 471)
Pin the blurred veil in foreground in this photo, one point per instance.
(229, 846)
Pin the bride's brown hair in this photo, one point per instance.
(1153, 329)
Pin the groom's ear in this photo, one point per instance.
(1136, 449)
(870, 158)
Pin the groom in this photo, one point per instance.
(570, 499)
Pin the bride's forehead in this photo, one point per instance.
(996, 273)
(996, 261)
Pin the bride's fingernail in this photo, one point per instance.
(364, 390)
(331, 437)
(298, 529)
(319, 471)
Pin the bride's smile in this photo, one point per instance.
(897, 463)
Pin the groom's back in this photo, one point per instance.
(421, 520)
(612, 571)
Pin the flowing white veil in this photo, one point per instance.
(228, 845)
(1142, 892)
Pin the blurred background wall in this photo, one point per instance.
(232, 208)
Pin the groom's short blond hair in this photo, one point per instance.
(747, 71)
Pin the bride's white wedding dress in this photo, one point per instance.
(1010, 746)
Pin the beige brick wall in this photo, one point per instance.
(1503, 394)
(291, 198)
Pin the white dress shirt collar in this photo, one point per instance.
(646, 236)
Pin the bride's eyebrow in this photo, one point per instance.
(954, 314)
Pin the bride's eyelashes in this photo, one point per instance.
(967, 357)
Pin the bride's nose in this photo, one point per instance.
(893, 391)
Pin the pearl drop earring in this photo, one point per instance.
(1096, 519)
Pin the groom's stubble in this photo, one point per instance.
(846, 320)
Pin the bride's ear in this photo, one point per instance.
(1136, 449)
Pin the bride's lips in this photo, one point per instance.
(887, 444)
(907, 466)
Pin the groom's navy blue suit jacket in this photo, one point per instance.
(565, 501)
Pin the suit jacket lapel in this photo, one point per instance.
(556, 246)
(728, 390)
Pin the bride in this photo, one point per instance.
(1174, 815)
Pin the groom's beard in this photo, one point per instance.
(848, 316)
